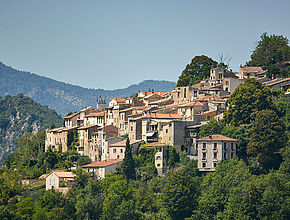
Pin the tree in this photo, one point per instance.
(128, 165)
(217, 186)
(271, 49)
(247, 100)
(198, 69)
(212, 127)
(267, 137)
(180, 194)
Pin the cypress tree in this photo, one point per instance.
(128, 166)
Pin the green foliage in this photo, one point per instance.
(271, 49)
(217, 186)
(173, 157)
(212, 127)
(198, 69)
(180, 194)
(247, 100)
(128, 165)
(267, 137)
(83, 160)
(20, 115)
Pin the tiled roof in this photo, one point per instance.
(276, 81)
(87, 126)
(71, 116)
(95, 114)
(123, 143)
(216, 137)
(211, 98)
(154, 144)
(102, 163)
(161, 93)
(197, 104)
(164, 116)
(119, 100)
(150, 95)
(63, 174)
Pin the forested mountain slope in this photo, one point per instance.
(64, 97)
(19, 115)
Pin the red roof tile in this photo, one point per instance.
(216, 137)
(71, 116)
(95, 114)
(102, 163)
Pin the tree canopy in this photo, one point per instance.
(198, 69)
(248, 98)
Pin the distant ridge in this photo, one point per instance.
(64, 97)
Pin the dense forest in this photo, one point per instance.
(64, 97)
(253, 186)
(19, 115)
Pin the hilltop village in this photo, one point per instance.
(157, 118)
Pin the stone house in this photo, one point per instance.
(71, 120)
(214, 148)
(161, 157)
(101, 168)
(95, 118)
(85, 137)
(59, 138)
(117, 150)
(59, 181)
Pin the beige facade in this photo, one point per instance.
(59, 181)
(102, 168)
(213, 149)
(59, 138)
(117, 150)
(85, 136)
(230, 84)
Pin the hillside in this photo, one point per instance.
(64, 97)
(19, 115)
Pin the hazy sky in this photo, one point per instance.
(112, 44)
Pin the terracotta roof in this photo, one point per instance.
(197, 104)
(150, 95)
(154, 144)
(198, 84)
(119, 100)
(216, 137)
(163, 116)
(95, 114)
(102, 163)
(63, 174)
(71, 116)
(274, 82)
(111, 129)
(123, 143)
(210, 98)
(161, 93)
(87, 126)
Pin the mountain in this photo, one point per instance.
(19, 115)
(64, 97)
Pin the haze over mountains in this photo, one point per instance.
(64, 97)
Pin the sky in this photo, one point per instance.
(112, 44)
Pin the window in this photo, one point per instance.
(227, 82)
(158, 165)
(131, 128)
(225, 146)
(203, 165)
(204, 146)
(121, 150)
(225, 155)
(50, 139)
(50, 182)
(100, 135)
(53, 181)
(215, 146)
(158, 158)
(118, 156)
(195, 93)
(166, 131)
(114, 151)
(232, 155)
(232, 146)
(214, 164)
(215, 155)
(203, 156)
